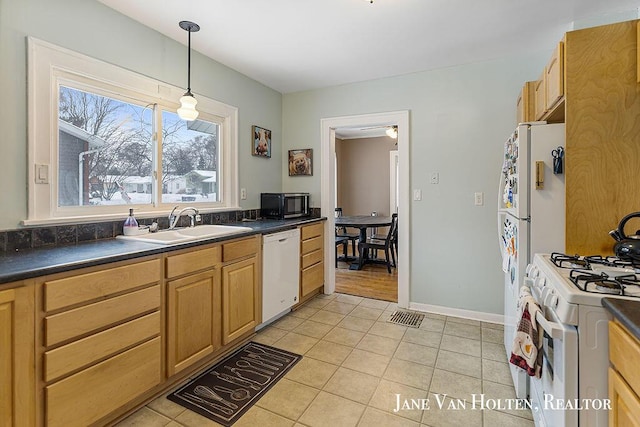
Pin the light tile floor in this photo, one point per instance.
(356, 364)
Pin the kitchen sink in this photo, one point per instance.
(182, 235)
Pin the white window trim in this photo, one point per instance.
(46, 62)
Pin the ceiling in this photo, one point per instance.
(296, 45)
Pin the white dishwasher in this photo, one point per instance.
(280, 272)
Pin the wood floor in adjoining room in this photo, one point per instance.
(373, 281)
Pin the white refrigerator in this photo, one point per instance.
(531, 215)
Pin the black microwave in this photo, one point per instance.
(284, 205)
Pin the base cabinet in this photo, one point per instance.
(101, 340)
(311, 259)
(17, 385)
(239, 299)
(193, 306)
(624, 377)
(193, 319)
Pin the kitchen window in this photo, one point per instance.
(103, 139)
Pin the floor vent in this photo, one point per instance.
(406, 318)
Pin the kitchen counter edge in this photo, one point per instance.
(626, 312)
(32, 263)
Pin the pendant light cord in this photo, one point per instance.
(189, 64)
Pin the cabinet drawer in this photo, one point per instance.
(240, 249)
(87, 396)
(79, 321)
(554, 78)
(89, 350)
(313, 230)
(190, 262)
(311, 245)
(311, 258)
(312, 278)
(624, 354)
(100, 284)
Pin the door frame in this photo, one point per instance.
(327, 191)
(393, 181)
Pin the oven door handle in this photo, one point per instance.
(553, 329)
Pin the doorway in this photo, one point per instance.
(328, 148)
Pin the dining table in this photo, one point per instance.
(362, 222)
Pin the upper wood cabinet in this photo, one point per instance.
(554, 78)
(539, 92)
(17, 377)
(549, 88)
(526, 103)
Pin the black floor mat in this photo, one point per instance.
(228, 389)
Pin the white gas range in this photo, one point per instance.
(573, 388)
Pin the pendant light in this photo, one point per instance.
(187, 110)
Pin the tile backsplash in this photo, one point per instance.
(62, 235)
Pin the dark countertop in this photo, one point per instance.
(32, 263)
(626, 312)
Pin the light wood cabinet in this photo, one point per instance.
(549, 89)
(311, 259)
(539, 91)
(602, 104)
(554, 78)
(624, 378)
(241, 296)
(526, 103)
(17, 379)
(194, 322)
(101, 340)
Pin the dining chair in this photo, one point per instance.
(344, 241)
(383, 244)
(341, 232)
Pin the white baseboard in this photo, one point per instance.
(458, 312)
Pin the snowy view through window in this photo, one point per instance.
(106, 154)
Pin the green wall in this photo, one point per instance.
(89, 27)
(459, 120)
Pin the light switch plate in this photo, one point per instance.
(435, 178)
(479, 199)
(42, 174)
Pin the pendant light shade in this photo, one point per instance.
(187, 110)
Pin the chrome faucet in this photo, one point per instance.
(174, 218)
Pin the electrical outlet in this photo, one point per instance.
(479, 199)
(435, 178)
(243, 194)
(417, 195)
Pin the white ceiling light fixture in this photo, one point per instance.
(187, 110)
(392, 132)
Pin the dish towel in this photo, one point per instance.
(526, 352)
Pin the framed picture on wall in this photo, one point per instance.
(301, 162)
(261, 142)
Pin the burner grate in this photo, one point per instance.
(406, 318)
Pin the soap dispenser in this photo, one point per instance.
(130, 225)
